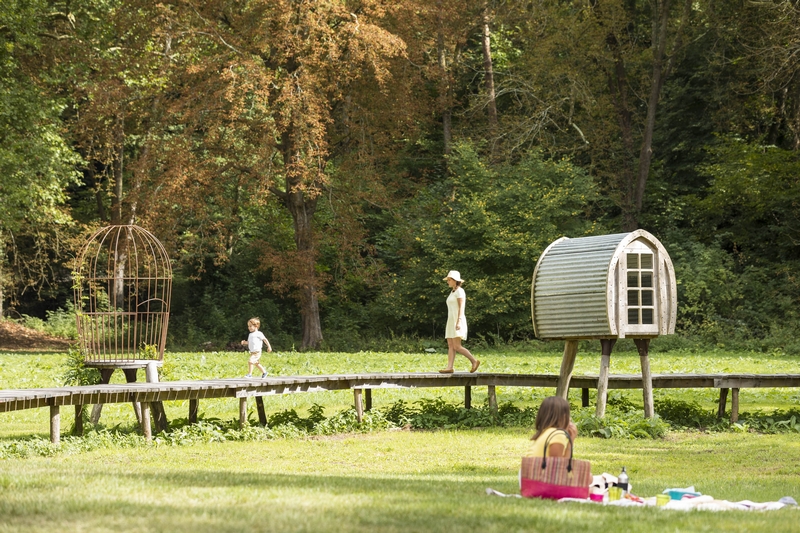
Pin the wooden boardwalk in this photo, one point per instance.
(361, 385)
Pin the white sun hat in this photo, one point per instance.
(455, 275)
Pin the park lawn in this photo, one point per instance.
(29, 370)
(394, 481)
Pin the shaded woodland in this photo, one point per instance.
(323, 163)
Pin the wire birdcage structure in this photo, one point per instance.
(122, 290)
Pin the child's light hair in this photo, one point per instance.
(255, 321)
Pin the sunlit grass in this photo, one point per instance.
(397, 481)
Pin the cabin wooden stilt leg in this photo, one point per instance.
(606, 347)
(467, 397)
(567, 364)
(55, 424)
(723, 402)
(359, 405)
(492, 399)
(97, 409)
(194, 407)
(643, 345)
(77, 429)
(262, 415)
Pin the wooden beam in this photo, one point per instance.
(146, 429)
(567, 364)
(262, 415)
(359, 406)
(55, 424)
(77, 429)
(242, 412)
(193, 408)
(723, 402)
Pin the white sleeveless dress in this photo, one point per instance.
(450, 331)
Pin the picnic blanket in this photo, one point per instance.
(702, 503)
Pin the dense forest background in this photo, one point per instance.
(323, 163)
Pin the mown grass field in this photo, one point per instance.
(388, 480)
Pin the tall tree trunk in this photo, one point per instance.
(659, 50)
(488, 69)
(116, 199)
(618, 88)
(444, 92)
(302, 208)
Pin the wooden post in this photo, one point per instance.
(78, 428)
(359, 405)
(97, 409)
(584, 397)
(55, 424)
(147, 430)
(567, 364)
(368, 399)
(194, 407)
(467, 397)
(492, 399)
(242, 412)
(723, 402)
(647, 381)
(130, 377)
(734, 405)
(159, 415)
(606, 347)
(262, 415)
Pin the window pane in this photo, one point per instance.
(647, 261)
(633, 279)
(647, 316)
(633, 316)
(633, 298)
(633, 260)
(647, 279)
(647, 298)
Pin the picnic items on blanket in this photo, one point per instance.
(555, 477)
(622, 480)
(679, 494)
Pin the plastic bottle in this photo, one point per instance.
(622, 481)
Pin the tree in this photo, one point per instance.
(36, 162)
(281, 87)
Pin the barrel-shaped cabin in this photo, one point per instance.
(605, 287)
(608, 286)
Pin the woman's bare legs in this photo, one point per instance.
(454, 347)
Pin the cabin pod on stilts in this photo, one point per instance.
(606, 287)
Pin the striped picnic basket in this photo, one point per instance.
(555, 477)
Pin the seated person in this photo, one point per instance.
(553, 415)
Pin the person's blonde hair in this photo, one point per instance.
(553, 413)
(255, 321)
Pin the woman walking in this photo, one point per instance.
(456, 329)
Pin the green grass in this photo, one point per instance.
(391, 481)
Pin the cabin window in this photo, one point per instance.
(641, 299)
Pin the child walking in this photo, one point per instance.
(254, 343)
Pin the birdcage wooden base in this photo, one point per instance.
(143, 412)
